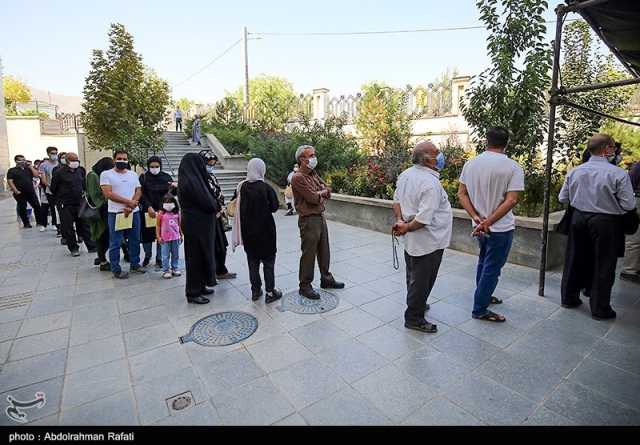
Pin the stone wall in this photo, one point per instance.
(377, 214)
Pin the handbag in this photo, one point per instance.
(630, 222)
(87, 212)
(231, 207)
(288, 192)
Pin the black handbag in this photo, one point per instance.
(87, 212)
(630, 222)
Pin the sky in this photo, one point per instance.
(48, 44)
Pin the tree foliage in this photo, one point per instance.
(511, 92)
(125, 102)
(628, 136)
(14, 91)
(272, 102)
(184, 104)
(584, 63)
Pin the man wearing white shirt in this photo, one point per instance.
(122, 188)
(424, 219)
(488, 190)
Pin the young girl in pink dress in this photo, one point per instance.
(169, 236)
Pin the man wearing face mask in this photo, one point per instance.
(20, 180)
(599, 193)
(122, 188)
(489, 189)
(68, 186)
(310, 193)
(424, 219)
(47, 166)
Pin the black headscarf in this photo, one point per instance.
(195, 189)
(103, 164)
(154, 187)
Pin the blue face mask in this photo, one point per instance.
(440, 162)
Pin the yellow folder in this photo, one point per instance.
(124, 223)
(149, 221)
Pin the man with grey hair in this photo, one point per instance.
(310, 193)
(600, 193)
(424, 220)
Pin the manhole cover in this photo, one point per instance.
(222, 329)
(180, 402)
(295, 302)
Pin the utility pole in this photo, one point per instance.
(246, 66)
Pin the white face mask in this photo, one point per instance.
(154, 170)
(168, 206)
(74, 164)
(313, 163)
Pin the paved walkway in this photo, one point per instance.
(107, 352)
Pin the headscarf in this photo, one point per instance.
(195, 189)
(154, 159)
(154, 187)
(256, 168)
(102, 165)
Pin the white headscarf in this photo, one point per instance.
(256, 168)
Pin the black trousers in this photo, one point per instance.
(221, 249)
(591, 258)
(69, 217)
(421, 276)
(199, 245)
(51, 207)
(29, 197)
(178, 124)
(254, 273)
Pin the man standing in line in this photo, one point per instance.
(68, 186)
(600, 193)
(178, 116)
(423, 216)
(46, 167)
(122, 188)
(489, 188)
(631, 267)
(310, 193)
(20, 180)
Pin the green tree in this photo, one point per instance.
(272, 99)
(227, 112)
(584, 64)
(511, 92)
(14, 91)
(184, 104)
(125, 103)
(441, 87)
(628, 136)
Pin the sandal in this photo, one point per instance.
(491, 316)
(495, 300)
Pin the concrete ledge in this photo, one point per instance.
(377, 214)
(228, 161)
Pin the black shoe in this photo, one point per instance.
(289, 213)
(310, 294)
(198, 300)
(610, 316)
(120, 275)
(571, 305)
(58, 235)
(96, 262)
(92, 250)
(632, 277)
(272, 296)
(426, 327)
(207, 291)
(106, 267)
(138, 270)
(75, 253)
(63, 241)
(255, 296)
(332, 285)
(27, 226)
(145, 263)
(428, 307)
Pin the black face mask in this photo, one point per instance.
(121, 165)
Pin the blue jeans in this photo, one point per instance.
(170, 248)
(133, 242)
(494, 251)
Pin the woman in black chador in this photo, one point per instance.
(199, 209)
(155, 185)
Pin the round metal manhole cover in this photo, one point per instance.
(181, 403)
(295, 302)
(222, 329)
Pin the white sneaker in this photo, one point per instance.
(42, 229)
(166, 275)
(176, 273)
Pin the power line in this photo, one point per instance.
(360, 33)
(214, 60)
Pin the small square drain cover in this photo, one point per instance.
(180, 402)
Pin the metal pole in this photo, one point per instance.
(557, 44)
(599, 86)
(246, 66)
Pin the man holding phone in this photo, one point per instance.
(489, 188)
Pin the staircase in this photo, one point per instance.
(178, 145)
